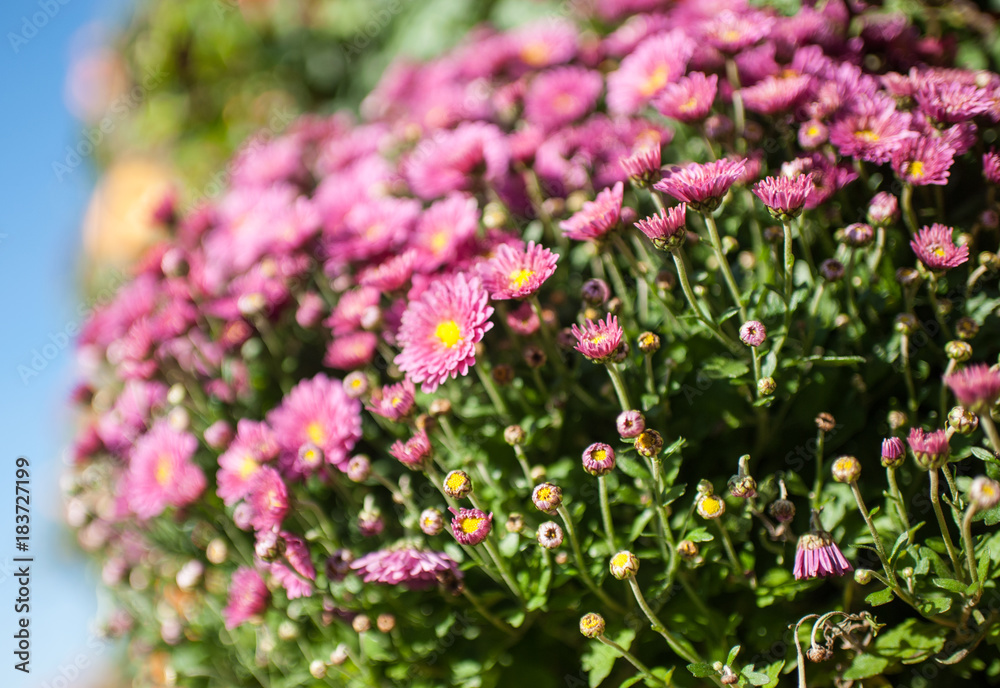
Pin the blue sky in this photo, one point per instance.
(39, 299)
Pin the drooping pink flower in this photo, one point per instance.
(656, 62)
(784, 196)
(393, 401)
(562, 95)
(596, 218)
(599, 340)
(936, 249)
(513, 273)
(689, 99)
(161, 472)
(412, 568)
(414, 452)
(440, 330)
(666, 229)
(818, 556)
(975, 386)
(470, 526)
(702, 186)
(316, 411)
(930, 449)
(255, 444)
(248, 596)
(267, 498)
(923, 160)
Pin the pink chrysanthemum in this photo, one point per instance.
(753, 333)
(599, 340)
(517, 273)
(255, 443)
(656, 62)
(393, 401)
(523, 320)
(784, 197)
(453, 160)
(690, 99)
(443, 229)
(817, 556)
(351, 351)
(883, 209)
(630, 424)
(161, 473)
(871, 132)
(666, 229)
(893, 451)
(930, 449)
(440, 330)
(599, 459)
(267, 498)
(936, 249)
(702, 186)
(414, 452)
(596, 218)
(248, 596)
(391, 275)
(813, 134)
(775, 94)
(731, 32)
(991, 166)
(950, 102)
(412, 568)
(560, 96)
(923, 160)
(643, 165)
(976, 386)
(470, 526)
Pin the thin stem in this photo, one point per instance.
(991, 430)
(505, 573)
(658, 626)
(578, 554)
(897, 497)
(727, 273)
(727, 543)
(474, 600)
(818, 481)
(932, 287)
(907, 202)
(609, 530)
(738, 116)
(493, 392)
(969, 547)
(695, 306)
(523, 460)
(632, 660)
(890, 574)
(908, 374)
(619, 384)
(949, 545)
(789, 263)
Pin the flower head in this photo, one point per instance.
(984, 493)
(711, 506)
(818, 556)
(846, 469)
(702, 186)
(161, 472)
(596, 218)
(923, 160)
(549, 535)
(592, 625)
(689, 99)
(784, 197)
(976, 386)
(893, 452)
(431, 521)
(547, 497)
(753, 333)
(412, 568)
(248, 596)
(599, 459)
(774, 94)
(936, 249)
(630, 424)
(883, 209)
(559, 96)
(643, 165)
(666, 229)
(642, 75)
(599, 341)
(991, 166)
(439, 331)
(514, 273)
(267, 498)
(414, 452)
(649, 443)
(457, 484)
(255, 444)
(470, 526)
(624, 565)
(930, 449)
(393, 401)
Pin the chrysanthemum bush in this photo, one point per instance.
(653, 351)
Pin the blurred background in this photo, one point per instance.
(111, 106)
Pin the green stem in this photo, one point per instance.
(949, 545)
(908, 374)
(486, 614)
(505, 573)
(632, 660)
(609, 530)
(818, 481)
(991, 430)
(493, 392)
(584, 573)
(728, 545)
(738, 115)
(890, 574)
(695, 306)
(789, 264)
(620, 390)
(727, 273)
(907, 202)
(969, 546)
(897, 497)
(659, 627)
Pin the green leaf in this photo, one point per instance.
(774, 670)
(756, 678)
(699, 535)
(599, 659)
(639, 524)
(727, 314)
(732, 654)
(674, 493)
(865, 666)
(949, 584)
(701, 669)
(536, 602)
(984, 454)
(649, 401)
(719, 368)
(911, 640)
(509, 545)
(631, 467)
(835, 360)
(932, 606)
(880, 597)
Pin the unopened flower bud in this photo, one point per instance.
(622, 352)
(825, 421)
(846, 469)
(440, 407)
(599, 459)
(728, 677)
(359, 468)
(831, 269)
(630, 424)
(515, 523)
(649, 443)
(288, 630)
(549, 535)
(687, 549)
(361, 623)
(595, 292)
(897, 419)
(729, 245)
(857, 235)
(317, 668)
(958, 350)
(431, 521)
(355, 384)
(370, 522)
(964, 421)
(711, 506)
(990, 259)
(893, 452)
(908, 277)
(457, 484)
(984, 493)
(743, 487)
(624, 565)
(270, 545)
(614, 306)
(906, 323)
(863, 576)
(753, 333)
(494, 215)
(966, 328)
(649, 342)
(514, 435)
(782, 510)
(502, 374)
(534, 356)
(385, 622)
(217, 551)
(592, 625)
(766, 386)
(818, 654)
(339, 655)
(547, 497)
(176, 394)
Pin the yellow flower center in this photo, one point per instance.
(456, 481)
(563, 103)
(813, 130)
(395, 401)
(316, 433)
(471, 525)
(545, 493)
(310, 457)
(448, 333)
(711, 505)
(439, 241)
(915, 169)
(247, 467)
(535, 54)
(600, 455)
(164, 471)
(272, 500)
(867, 135)
(689, 104)
(656, 80)
(620, 559)
(519, 278)
(938, 250)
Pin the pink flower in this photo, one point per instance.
(690, 99)
(596, 218)
(255, 443)
(643, 165)
(470, 526)
(893, 451)
(753, 333)
(976, 386)
(392, 401)
(702, 186)
(872, 131)
(392, 274)
(316, 411)
(412, 568)
(731, 32)
(440, 330)
(599, 459)
(817, 555)
(936, 249)
(248, 596)
(991, 166)
(560, 96)
(414, 452)
(775, 94)
(544, 43)
(443, 229)
(517, 273)
(656, 62)
(351, 351)
(950, 102)
(930, 449)
(267, 498)
(666, 229)
(630, 424)
(883, 209)
(161, 473)
(523, 319)
(451, 160)
(923, 160)
(599, 341)
(784, 197)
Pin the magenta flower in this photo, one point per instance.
(513, 273)
(442, 231)
(893, 451)
(470, 526)
(643, 73)
(872, 131)
(394, 273)
(161, 472)
(351, 351)
(393, 401)
(439, 330)
(596, 218)
(599, 341)
(702, 186)
(630, 424)
(817, 556)
(666, 229)
(923, 160)
(412, 568)
(599, 459)
(255, 444)
(774, 94)
(562, 95)
(643, 165)
(813, 134)
(753, 333)
(523, 319)
(976, 387)
(248, 596)
(784, 197)
(689, 99)
(883, 209)
(991, 166)
(414, 452)
(319, 411)
(731, 32)
(930, 449)
(267, 498)
(936, 249)
(950, 102)
(456, 160)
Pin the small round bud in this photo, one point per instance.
(361, 623)
(549, 535)
(665, 280)
(964, 421)
(729, 245)
(818, 654)
(846, 469)
(534, 356)
(513, 435)
(547, 497)
(595, 292)
(832, 270)
(944, 306)
(893, 452)
(630, 424)
(825, 421)
(883, 209)
(958, 350)
(990, 259)
(766, 386)
(624, 565)
(592, 625)
(502, 374)
(176, 394)
(269, 546)
(857, 235)
(728, 677)
(906, 323)
(966, 328)
(431, 521)
(217, 551)
(753, 333)
(339, 655)
(457, 484)
(649, 443)
(494, 215)
(908, 277)
(711, 506)
(897, 419)
(440, 407)
(863, 576)
(648, 342)
(599, 459)
(317, 668)
(622, 352)
(515, 523)
(561, 558)
(984, 493)
(743, 487)
(782, 510)
(538, 473)
(687, 549)
(906, 572)
(385, 622)
(359, 468)
(338, 564)
(370, 522)
(219, 434)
